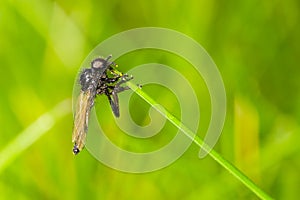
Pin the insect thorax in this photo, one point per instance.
(88, 79)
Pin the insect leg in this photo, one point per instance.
(112, 80)
(114, 103)
(113, 98)
(124, 79)
(119, 89)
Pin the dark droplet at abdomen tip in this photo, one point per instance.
(75, 150)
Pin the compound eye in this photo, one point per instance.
(97, 64)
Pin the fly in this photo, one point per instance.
(100, 78)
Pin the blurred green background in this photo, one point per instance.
(255, 44)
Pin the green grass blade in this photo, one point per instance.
(33, 132)
(216, 156)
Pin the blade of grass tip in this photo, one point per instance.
(33, 132)
(216, 156)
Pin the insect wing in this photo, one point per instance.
(82, 113)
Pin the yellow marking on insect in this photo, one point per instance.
(116, 72)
